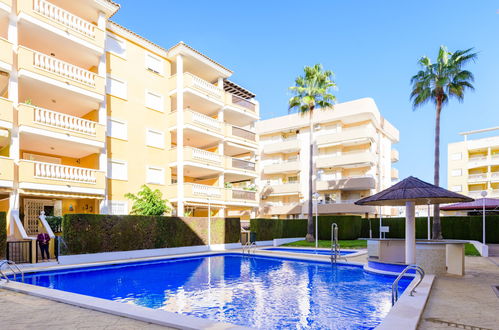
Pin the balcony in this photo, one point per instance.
(395, 155)
(240, 103)
(282, 189)
(6, 172)
(198, 86)
(240, 164)
(241, 195)
(202, 121)
(477, 161)
(282, 146)
(65, 23)
(198, 162)
(342, 207)
(6, 54)
(60, 123)
(478, 177)
(350, 183)
(55, 177)
(282, 208)
(494, 176)
(65, 74)
(282, 167)
(347, 136)
(6, 113)
(475, 193)
(241, 134)
(394, 174)
(346, 160)
(494, 193)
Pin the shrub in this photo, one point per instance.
(55, 223)
(93, 233)
(148, 202)
(3, 234)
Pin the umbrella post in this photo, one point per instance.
(410, 233)
(429, 221)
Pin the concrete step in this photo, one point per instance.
(493, 250)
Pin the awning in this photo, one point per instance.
(490, 204)
(56, 194)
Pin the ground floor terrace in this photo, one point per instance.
(454, 302)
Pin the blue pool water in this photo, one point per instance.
(311, 251)
(255, 291)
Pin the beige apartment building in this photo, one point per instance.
(473, 164)
(353, 157)
(90, 111)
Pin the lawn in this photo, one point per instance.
(352, 244)
(470, 250)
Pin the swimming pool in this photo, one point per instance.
(310, 251)
(254, 291)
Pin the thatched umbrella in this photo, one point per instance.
(410, 192)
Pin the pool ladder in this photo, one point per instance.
(395, 285)
(14, 269)
(248, 246)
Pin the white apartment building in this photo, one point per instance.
(353, 158)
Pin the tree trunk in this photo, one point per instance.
(437, 228)
(310, 223)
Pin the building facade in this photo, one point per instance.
(473, 164)
(90, 111)
(353, 158)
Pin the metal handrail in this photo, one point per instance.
(395, 285)
(252, 245)
(335, 247)
(9, 264)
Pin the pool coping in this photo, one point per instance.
(396, 316)
(356, 252)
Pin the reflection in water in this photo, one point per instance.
(254, 291)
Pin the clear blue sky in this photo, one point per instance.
(372, 46)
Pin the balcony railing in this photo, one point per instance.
(475, 193)
(477, 177)
(64, 69)
(494, 175)
(204, 155)
(242, 133)
(244, 194)
(201, 119)
(66, 173)
(243, 103)
(243, 164)
(64, 17)
(208, 191)
(202, 85)
(64, 121)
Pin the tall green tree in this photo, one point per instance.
(437, 83)
(148, 202)
(312, 90)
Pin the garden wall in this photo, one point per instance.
(94, 233)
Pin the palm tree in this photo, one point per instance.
(312, 91)
(437, 82)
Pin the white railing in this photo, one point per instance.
(64, 121)
(205, 120)
(64, 69)
(201, 189)
(63, 172)
(206, 86)
(475, 193)
(64, 17)
(204, 155)
(478, 159)
(494, 175)
(477, 177)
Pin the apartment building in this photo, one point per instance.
(473, 164)
(353, 158)
(90, 111)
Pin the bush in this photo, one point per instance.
(148, 202)
(3, 234)
(55, 223)
(349, 226)
(93, 233)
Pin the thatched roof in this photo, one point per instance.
(490, 204)
(414, 190)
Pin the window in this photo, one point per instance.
(117, 128)
(293, 179)
(155, 175)
(154, 63)
(116, 87)
(155, 138)
(115, 45)
(457, 188)
(457, 172)
(456, 156)
(117, 169)
(174, 179)
(117, 207)
(154, 101)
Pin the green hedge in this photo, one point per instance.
(3, 234)
(93, 233)
(453, 227)
(349, 227)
